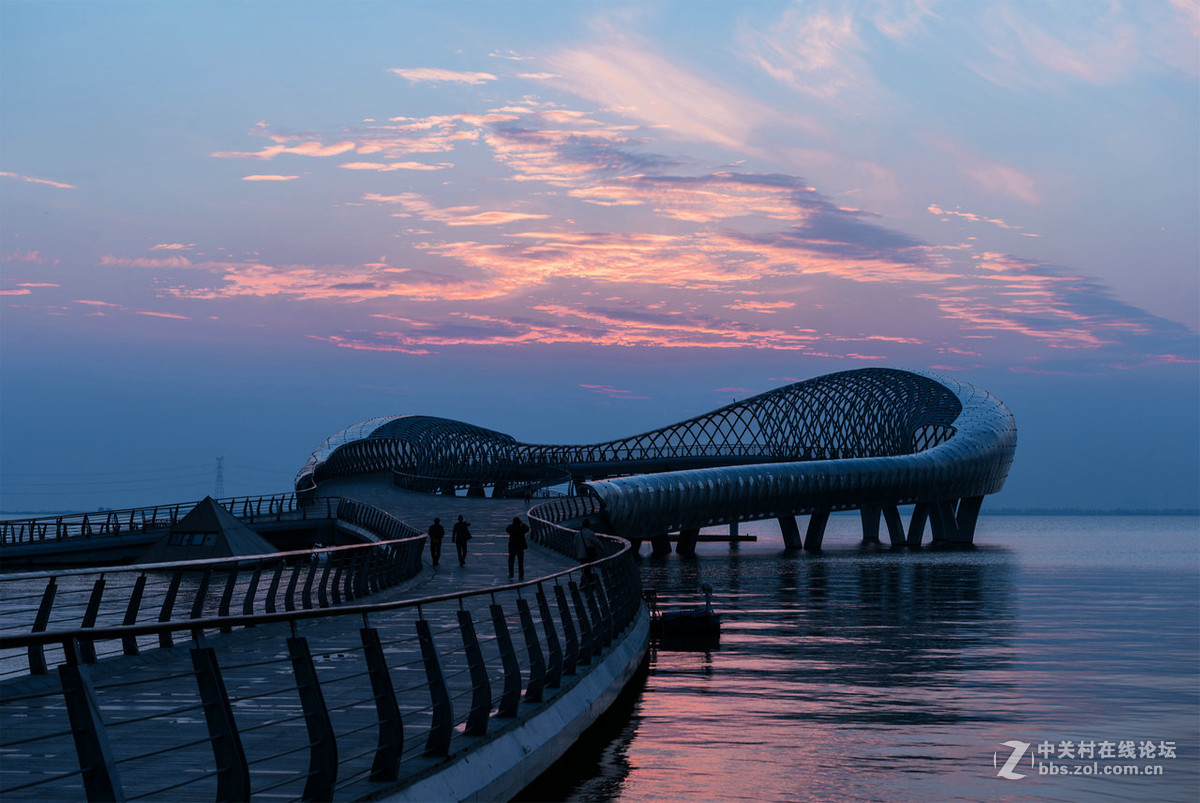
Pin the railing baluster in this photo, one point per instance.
(537, 664)
(586, 638)
(442, 727)
(252, 590)
(100, 778)
(322, 751)
(233, 773)
(227, 597)
(37, 655)
(481, 687)
(87, 647)
(129, 644)
(510, 697)
(571, 650)
(553, 650)
(164, 615)
(386, 766)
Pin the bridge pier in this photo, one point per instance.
(660, 545)
(891, 515)
(687, 541)
(733, 535)
(916, 525)
(475, 491)
(816, 530)
(870, 524)
(968, 516)
(791, 532)
(941, 521)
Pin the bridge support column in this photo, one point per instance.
(500, 489)
(733, 535)
(968, 516)
(891, 515)
(941, 521)
(475, 491)
(660, 545)
(870, 524)
(791, 532)
(687, 541)
(916, 526)
(816, 530)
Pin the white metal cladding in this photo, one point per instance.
(972, 462)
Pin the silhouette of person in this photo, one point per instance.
(517, 545)
(436, 533)
(460, 535)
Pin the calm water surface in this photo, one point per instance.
(877, 676)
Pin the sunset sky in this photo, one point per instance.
(231, 229)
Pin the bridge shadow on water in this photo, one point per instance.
(811, 648)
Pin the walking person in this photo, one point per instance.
(436, 533)
(461, 534)
(517, 544)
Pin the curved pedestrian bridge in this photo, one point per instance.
(870, 440)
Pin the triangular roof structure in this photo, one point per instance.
(208, 531)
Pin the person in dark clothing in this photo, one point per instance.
(436, 533)
(517, 545)
(460, 535)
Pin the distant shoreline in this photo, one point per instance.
(996, 511)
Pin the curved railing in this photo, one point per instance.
(382, 692)
(90, 599)
(251, 509)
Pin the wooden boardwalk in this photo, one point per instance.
(150, 703)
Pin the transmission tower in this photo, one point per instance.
(219, 488)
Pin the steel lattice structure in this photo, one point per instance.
(869, 439)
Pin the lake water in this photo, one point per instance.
(899, 677)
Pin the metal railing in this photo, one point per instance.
(96, 598)
(330, 703)
(251, 509)
(524, 483)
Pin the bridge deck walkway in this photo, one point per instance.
(260, 681)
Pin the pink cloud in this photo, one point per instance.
(170, 315)
(172, 247)
(435, 75)
(145, 262)
(388, 167)
(269, 177)
(22, 291)
(414, 204)
(30, 257)
(934, 209)
(303, 149)
(30, 179)
(611, 392)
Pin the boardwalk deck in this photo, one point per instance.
(148, 702)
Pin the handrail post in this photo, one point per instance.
(87, 648)
(386, 766)
(273, 587)
(227, 598)
(553, 650)
(164, 615)
(129, 643)
(233, 773)
(600, 637)
(322, 752)
(586, 639)
(442, 726)
(510, 697)
(571, 650)
(101, 780)
(537, 663)
(252, 590)
(37, 655)
(481, 687)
